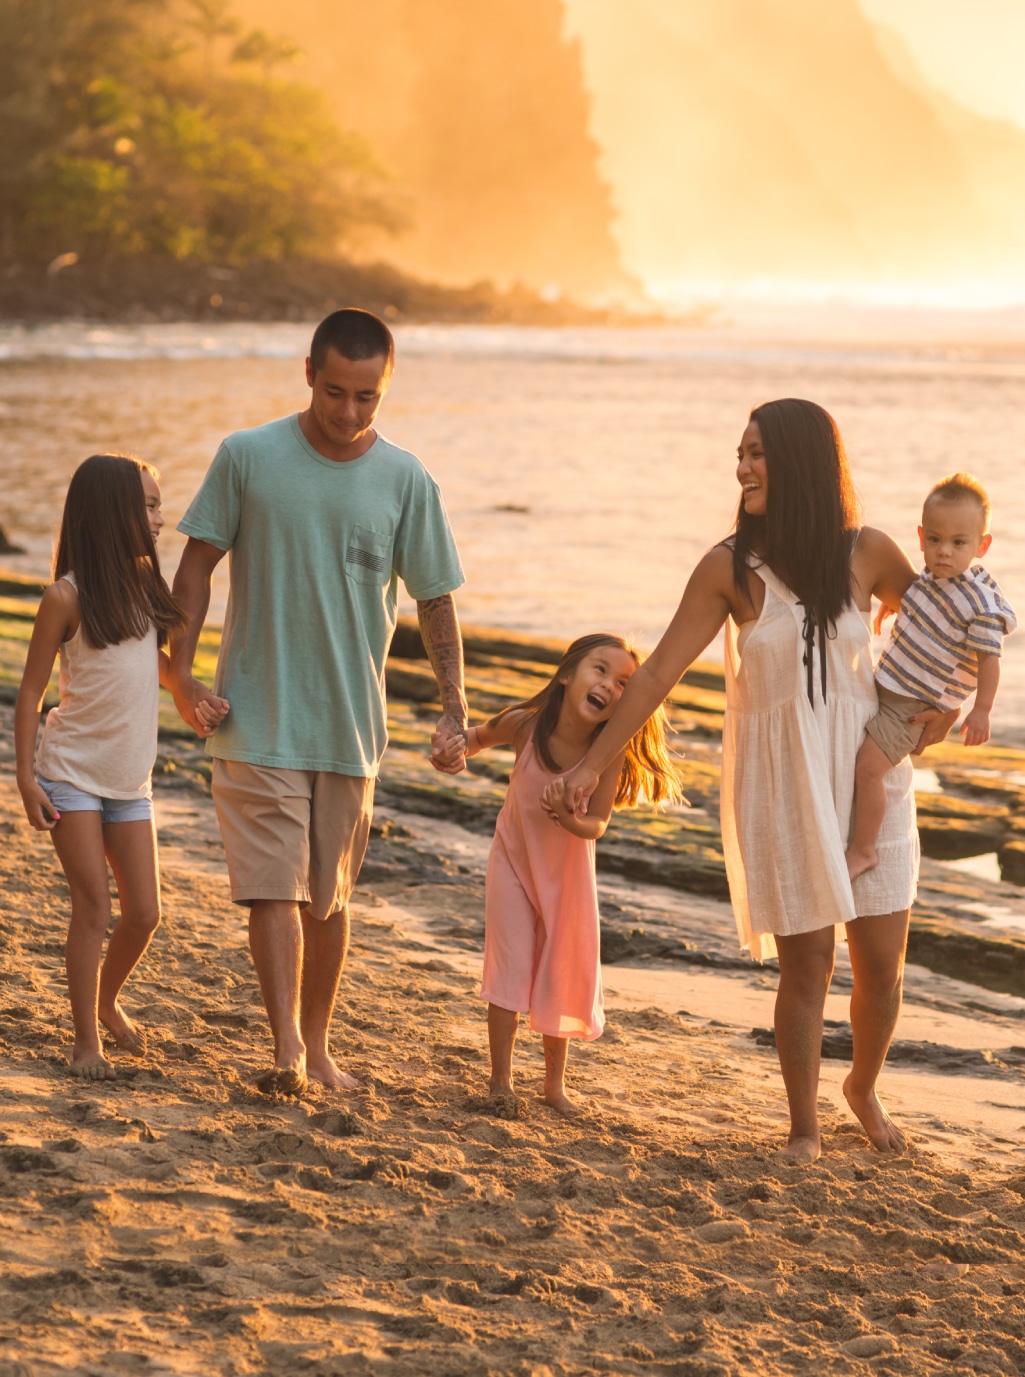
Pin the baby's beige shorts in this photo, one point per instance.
(890, 729)
(293, 835)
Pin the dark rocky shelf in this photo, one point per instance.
(956, 927)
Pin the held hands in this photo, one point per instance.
(448, 746)
(569, 793)
(198, 708)
(553, 801)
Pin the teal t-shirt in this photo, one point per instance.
(316, 552)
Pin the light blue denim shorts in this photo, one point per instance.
(67, 799)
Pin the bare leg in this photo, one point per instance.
(276, 942)
(78, 840)
(870, 771)
(132, 852)
(877, 947)
(805, 970)
(325, 946)
(502, 1026)
(556, 1052)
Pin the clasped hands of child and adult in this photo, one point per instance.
(448, 754)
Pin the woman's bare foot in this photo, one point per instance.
(883, 1132)
(799, 1152)
(860, 861)
(92, 1066)
(326, 1071)
(558, 1100)
(126, 1034)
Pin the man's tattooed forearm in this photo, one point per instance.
(439, 628)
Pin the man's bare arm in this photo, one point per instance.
(439, 629)
(202, 710)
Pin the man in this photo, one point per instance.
(322, 517)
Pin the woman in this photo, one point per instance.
(794, 586)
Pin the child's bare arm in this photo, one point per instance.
(592, 824)
(975, 727)
(502, 730)
(58, 608)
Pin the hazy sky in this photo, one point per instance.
(973, 49)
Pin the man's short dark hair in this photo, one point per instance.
(354, 334)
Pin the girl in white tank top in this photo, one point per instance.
(106, 614)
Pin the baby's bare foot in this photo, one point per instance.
(92, 1066)
(326, 1071)
(126, 1034)
(799, 1152)
(883, 1132)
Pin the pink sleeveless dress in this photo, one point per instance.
(541, 933)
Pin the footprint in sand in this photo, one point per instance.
(498, 1106)
(945, 1269)
(287, 1082)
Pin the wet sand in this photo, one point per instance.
(176, 1221)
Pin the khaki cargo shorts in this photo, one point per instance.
(890, 729)
(298, 836)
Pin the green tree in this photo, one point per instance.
(117, 137)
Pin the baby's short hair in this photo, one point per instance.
(961, 487)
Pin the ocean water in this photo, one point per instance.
(585, 470)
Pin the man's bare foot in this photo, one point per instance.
(799, 1152)
(860, 861)
(326, 1071)
(92, 1066)
(883, 1132)
(562, 1104)
(126, 1034)
(287, 1080)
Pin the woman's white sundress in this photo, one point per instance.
(788, 778)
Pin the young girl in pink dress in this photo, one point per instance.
(541, 939)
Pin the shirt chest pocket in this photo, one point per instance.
(368, 556)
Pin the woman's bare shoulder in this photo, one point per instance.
(871, 539)
(716, 564)
(877, 547)
(881, 565)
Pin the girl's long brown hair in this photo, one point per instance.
(105, 541)
(811, 510)
(647, 771)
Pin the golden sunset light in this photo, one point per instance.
(512, 708)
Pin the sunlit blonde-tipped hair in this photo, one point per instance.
(648, 772)
(961, 487)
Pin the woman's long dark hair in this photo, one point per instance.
(648, 770)
(811, 511)
(105, 541)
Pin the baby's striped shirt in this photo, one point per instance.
(941, 628)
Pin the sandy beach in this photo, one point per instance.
(176, 1221)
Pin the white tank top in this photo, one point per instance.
(103, 735)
